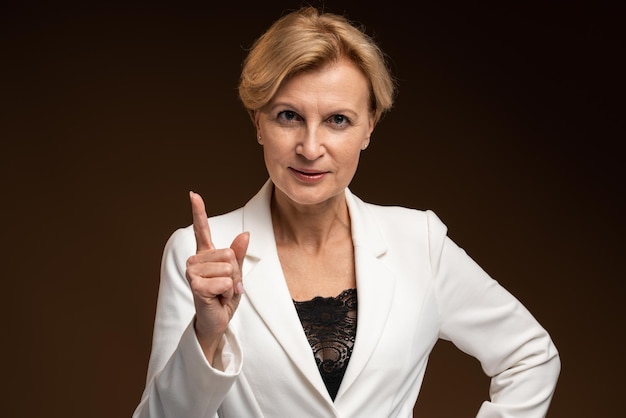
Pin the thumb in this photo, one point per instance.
(240, 246)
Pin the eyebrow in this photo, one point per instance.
(290, 106)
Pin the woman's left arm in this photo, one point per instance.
(484, 320)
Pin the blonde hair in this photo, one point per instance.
(307, 39)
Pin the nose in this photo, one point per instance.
(311, 145)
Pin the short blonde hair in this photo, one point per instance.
(307, 39)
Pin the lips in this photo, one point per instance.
(308, 175)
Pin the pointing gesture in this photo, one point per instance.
(215, 278)
(200, 223)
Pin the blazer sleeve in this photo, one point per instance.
(180, 382)
(484, 320)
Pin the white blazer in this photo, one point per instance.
(414, 285)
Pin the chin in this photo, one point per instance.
(310, 196)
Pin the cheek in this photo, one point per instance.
(272, 154)
(350, 158)
(267, 155)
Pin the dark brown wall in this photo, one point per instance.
(506, 125)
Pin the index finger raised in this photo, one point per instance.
(201, 228)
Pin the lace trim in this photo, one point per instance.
(330, 326)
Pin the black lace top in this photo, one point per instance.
(330, 325)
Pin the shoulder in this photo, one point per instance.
(402, 219)
(405, 232)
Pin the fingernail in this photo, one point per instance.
(240, 288)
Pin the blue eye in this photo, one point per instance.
(287, 115)
(339, 120)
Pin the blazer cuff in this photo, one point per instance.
(188, 384)
(228, 358)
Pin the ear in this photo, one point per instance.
(257, 126)
(366, 141)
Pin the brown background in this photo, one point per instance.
(506, 125)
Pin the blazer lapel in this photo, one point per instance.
(375, 287)
(267, 292)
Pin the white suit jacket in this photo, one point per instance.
(414, 285)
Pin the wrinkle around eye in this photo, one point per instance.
(288, 116)
(345, 121)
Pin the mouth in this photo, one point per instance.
(308, 175)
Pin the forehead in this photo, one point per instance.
(338, 81)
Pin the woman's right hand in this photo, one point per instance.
(215, 278)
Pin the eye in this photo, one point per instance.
(339, 121)
(287, 116)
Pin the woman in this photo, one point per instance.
(343, 300)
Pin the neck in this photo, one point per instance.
(309, 226)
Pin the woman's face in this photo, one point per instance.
(314, 130)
